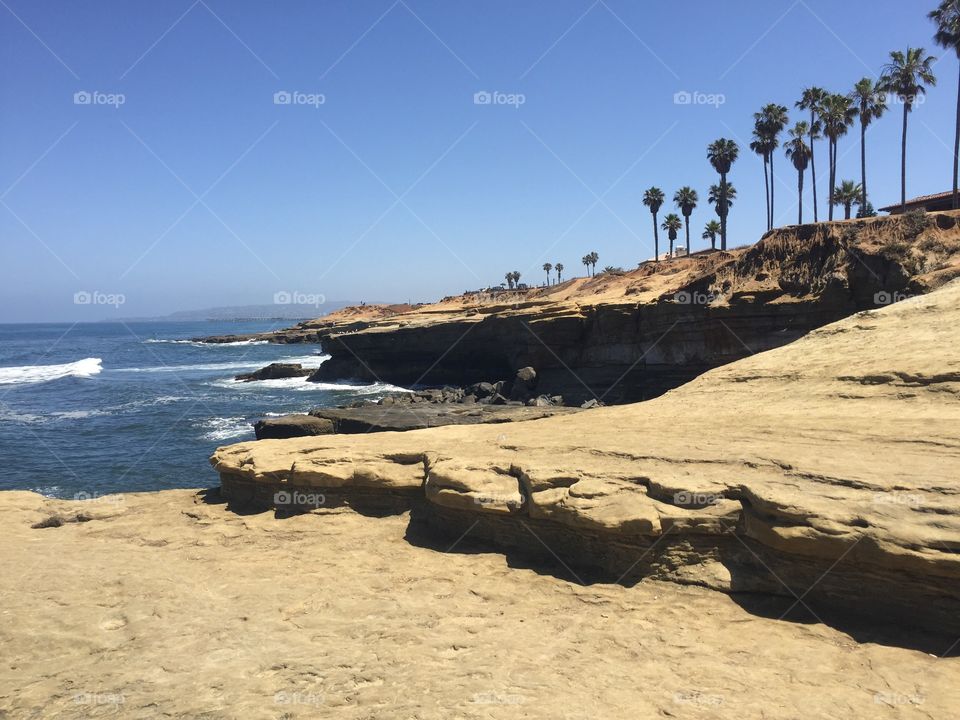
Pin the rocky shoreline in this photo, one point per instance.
(821, 471)
(627, 337)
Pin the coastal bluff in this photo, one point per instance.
(826, 471)
(632, 335)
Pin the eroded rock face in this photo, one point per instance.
(827, 470)
(290, 426)
(656, 328)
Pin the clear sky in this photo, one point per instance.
(199, 190)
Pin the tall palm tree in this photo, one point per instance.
(846, 194)
(947, 18)
(870, 105)
(906, 76)
(653, 199)
(798, 152)
(593, 261)
(547, 267)
(836, 114)
(722, 154)
(672, 225)
(516, 278)
(559, 268)
(686, 200)
(812, 100)
(771, 120)
(710, 232)
(509, 278)
(761, 146)
(586, 261)
(721, 197)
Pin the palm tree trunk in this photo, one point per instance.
(800, 195)
(773, 190)
(766, 186)
(956, 156)
(686, 219)
(846, 210)
(723, 212)
(863, 166)
(813, 165)
(903, 161)
(656, 240)
(832, 174)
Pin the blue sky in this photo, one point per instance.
(199, 190)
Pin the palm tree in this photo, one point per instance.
(516, 278)
(761, 146)
(547, 267)
(721, 197)
(812, 100)
(799, 153)
(771, 120)
(722, 154)
(870, 105)
(586, 261)
(672, 225)
(509, 279)
(686, 200)
(653, 199)
(906, 76)
(710, 233)
(836, 113)
(947, 18)
(559, 268)
(846, 194)
(593, 260)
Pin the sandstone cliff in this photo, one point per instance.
(827, 471)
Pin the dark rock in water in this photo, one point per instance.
(396, 418)
(276, 371)
(290, 426)
(498, 399)
(481, 390)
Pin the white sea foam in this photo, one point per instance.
(207, 345)
(45, 373)
(310, 361)
(300, 384)
(225, 428)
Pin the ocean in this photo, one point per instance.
(97, 408)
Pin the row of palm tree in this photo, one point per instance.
(548, 267)
(513, 279)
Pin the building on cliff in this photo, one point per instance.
(930, 203)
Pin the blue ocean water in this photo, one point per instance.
(114, 407)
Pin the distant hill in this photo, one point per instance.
(271, 311)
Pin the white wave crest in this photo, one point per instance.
(46, 373)
(224, 428)
(207, 345)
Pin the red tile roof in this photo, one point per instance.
(920, 200)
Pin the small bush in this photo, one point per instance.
(915, 222)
